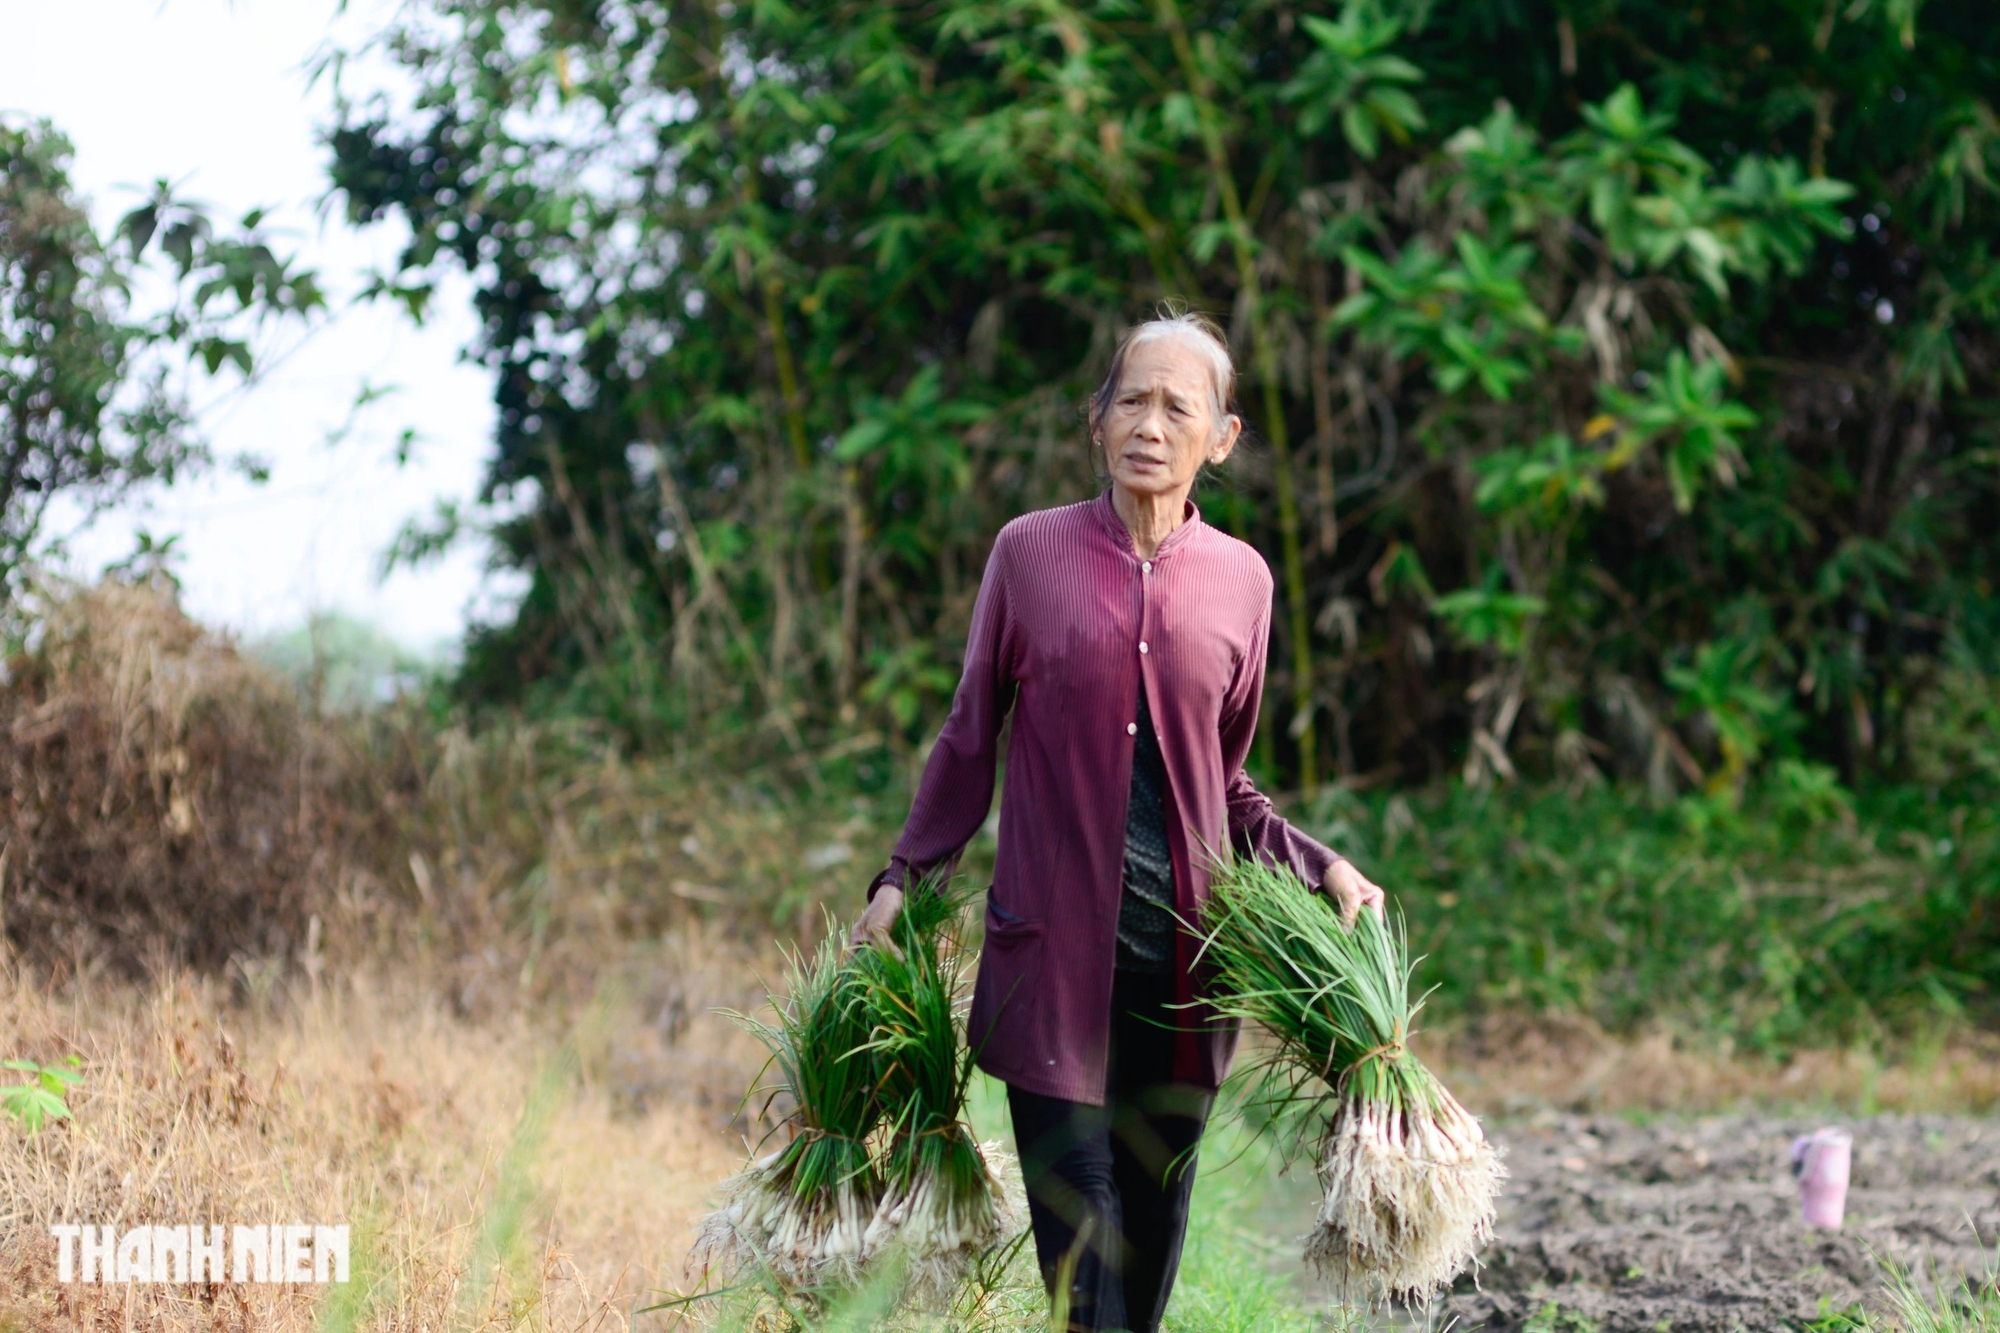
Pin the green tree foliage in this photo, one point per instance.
(1621, 369)
(90, 401)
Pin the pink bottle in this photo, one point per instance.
(1821, 1160)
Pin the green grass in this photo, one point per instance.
(1802, 915)
(1916, 1306)
(1553, 1318)
(1237, 1268)
(1235, 1274)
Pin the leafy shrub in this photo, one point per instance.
(1804, 913)
(1952, 730)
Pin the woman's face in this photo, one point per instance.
(1161, 427)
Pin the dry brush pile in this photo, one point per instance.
(159, 798)
(166, 799)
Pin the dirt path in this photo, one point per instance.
(1692, 1225)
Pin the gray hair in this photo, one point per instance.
(1193, 330)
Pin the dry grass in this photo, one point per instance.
(496, 1176)
(1512, 1063)
(521, 857)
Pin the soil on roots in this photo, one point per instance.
(1693, 1225)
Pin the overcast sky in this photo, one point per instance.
(213, 96)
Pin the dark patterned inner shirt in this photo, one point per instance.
(1146, 923)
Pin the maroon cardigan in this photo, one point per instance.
(1069, 623)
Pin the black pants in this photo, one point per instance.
(1120, 1175)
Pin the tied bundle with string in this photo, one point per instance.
(805, 1210)
(943, 1201)
(1410, 1180)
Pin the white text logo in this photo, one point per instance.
(275, 1253)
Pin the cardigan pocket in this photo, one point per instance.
(1004, 928)
(1003, 1024)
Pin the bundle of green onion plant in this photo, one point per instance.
(1409, 1177)
(943, 1201)
(804, 1210)
(869, 1048)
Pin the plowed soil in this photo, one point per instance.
(1692, 1225)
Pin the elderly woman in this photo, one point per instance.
(1127, 639)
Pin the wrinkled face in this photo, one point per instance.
(1161, 426)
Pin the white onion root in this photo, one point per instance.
(1409, 1199)
(941, 1231)
(805, 1242)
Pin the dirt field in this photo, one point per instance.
(1692, 1225)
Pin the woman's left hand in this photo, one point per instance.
(1352, 890)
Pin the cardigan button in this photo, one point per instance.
(1142, 647)
(1131, 728)
(1146, 567)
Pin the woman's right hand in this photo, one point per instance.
(873, 927)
